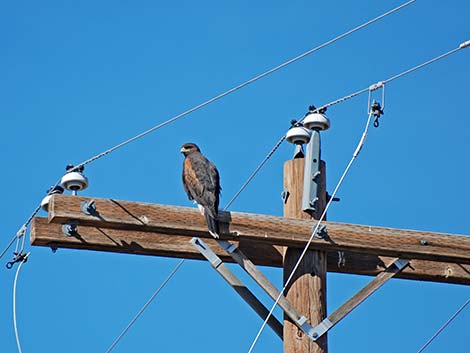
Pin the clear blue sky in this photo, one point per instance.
(78, 77)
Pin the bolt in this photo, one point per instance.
(88, 207)
(423, 242)
(285, 195)
(315, 176)
(313, 202)
(321, 232)
(70, 229)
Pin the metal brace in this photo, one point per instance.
(326, 324)
(214, 260)
(400, 263)
(227, 246)
(321, 329)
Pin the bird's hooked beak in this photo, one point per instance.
(183, 150)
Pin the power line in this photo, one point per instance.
(263, 162)
(15, 326)
(223, 94)
(343, 176)
(444, 326)
(375, 86)
(8, 246)
(372, 87)
(140, 312)
(246, 83)
(21, 232)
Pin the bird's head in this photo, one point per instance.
(189, 148)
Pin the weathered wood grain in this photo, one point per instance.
(268, 229)
(159, 244)
(307, 288)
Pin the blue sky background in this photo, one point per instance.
(79, 77)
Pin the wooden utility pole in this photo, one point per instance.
(307, 289)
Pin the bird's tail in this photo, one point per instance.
(212, 224)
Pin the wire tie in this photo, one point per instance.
(376, 86)
(465, 44)
(21, 231)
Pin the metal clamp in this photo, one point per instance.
(305, 326)
(18, 257)
(377, 111)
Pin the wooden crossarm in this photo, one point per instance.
(159, 244)
(265, 229)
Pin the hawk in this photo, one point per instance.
(202, 184)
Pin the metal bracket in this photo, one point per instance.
(321, 232)
(311, 173)
(88, 207)
(285, 195)
(321, 328)
(70, 229)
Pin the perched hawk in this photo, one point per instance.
(202, 184)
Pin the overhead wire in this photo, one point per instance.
(15, 326)
(149, 301)
(20, 234)
(221, 95)
(246, 83)
(372, 87)
(8, 246)
(444, 326)
(380, 84)
(156, 127)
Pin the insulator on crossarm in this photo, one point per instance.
(75, 180)
(52, 191)
(316, 121)
(298, 135)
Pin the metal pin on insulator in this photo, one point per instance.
(298, 135)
